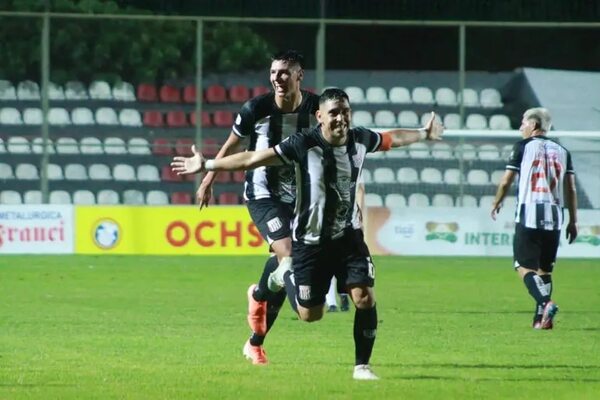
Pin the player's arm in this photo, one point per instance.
(571, 198)
(433, 130)
(234, 144)
(236, 162)
(503, 187)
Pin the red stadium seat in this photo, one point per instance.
(239, 176)
(147, 92)
(223, 177)
(169, 176)
(176, 119)
(162, 147)
(206, 122)
(229, 198)
(189, 94)
(239, 93)
(216, 94)
(258, 90)
(183, 147)
(210, 147)
(223, 119)
(153, 118)
(181, 198)
(170, 94)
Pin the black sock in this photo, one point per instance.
(365, 330)
(273, 307)
(290, 290)
(262, 292)
(547, 279)
(536, 288)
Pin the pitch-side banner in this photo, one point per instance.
(166, 230)
(36, 229)
(463, 231)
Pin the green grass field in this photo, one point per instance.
(75, 327)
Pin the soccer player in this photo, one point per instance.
(546, 177)
(269, 190)
(327, 239)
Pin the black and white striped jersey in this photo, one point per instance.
(263, 122)
(326, 177)
(542, 165)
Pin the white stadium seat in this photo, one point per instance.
(384, 175)
(407, 175)
(106, 116)
(99, 172)
(366, 176)
(148, 173)
(82, 116)
(431, 175)
(55, 92)
(6, 171)
(123, 172)
(2, 147)
(84, 197)
(32, 197)
(445, 97)
(499, 122)
(396, 152)
(362, 118)
(28, 90)
(476, 121)
(157, 198)
(470, 98)
(32, 116)
(418, 200)
(138, 146)
(452, 121)
(385, 118)
(7, 90)
(355, 94)
(60, 197)
(418, 150)
(54, 172)
(37, 146)
(90, 145)
(100, 90)
(133, 197)
(114, 145)
(422, 95)
(107, 196)
(466, 201)
(505, 151)
(26, 171)
(74, 90)
(488, 152)
(75, 172)
(408, 119)
(130, 117)
(452, 176)
(395, 200)
(441, 151)
(10, 197)
(10, 116)
(373, 200)
(123, 91)
(478, 177)
(486, 201)
(58, 116)
(400, 95)
(442, 200)
(18, 145)
(490, 98)
(67, 145)
(466, 151)
(376, 94)
(496, 176)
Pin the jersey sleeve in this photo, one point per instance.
(372, 140)
(515, 157)
(244, 121)
(570, 169)
(291, 148)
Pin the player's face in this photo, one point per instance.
(286, 78)
(527, 127)
(335, 117)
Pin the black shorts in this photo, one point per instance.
(535, 248)
(273, 218)
(347, 258)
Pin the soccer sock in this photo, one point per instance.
(290, 290)
(365, 330)
(547, 279)
(273, 306)
(536, 288)
(330, 297)
(262, 292)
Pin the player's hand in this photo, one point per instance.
(434, 128)
(189, 165)
(571, 232)
(495, 211)
(203, 194)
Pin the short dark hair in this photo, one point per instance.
(336, 94)
(291, 56)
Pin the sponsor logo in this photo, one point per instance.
(370, 333)
(441, 231)
(274, 224)
(106, 233)
(304, 292)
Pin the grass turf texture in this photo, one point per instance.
(77, 327)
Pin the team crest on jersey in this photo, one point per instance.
(304, 292)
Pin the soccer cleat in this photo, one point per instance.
(537, 325)
(257, 313)
(275, 282)
(332, 308)
(550, 311)
(363, 372)
(255, 353)
(344, 302)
